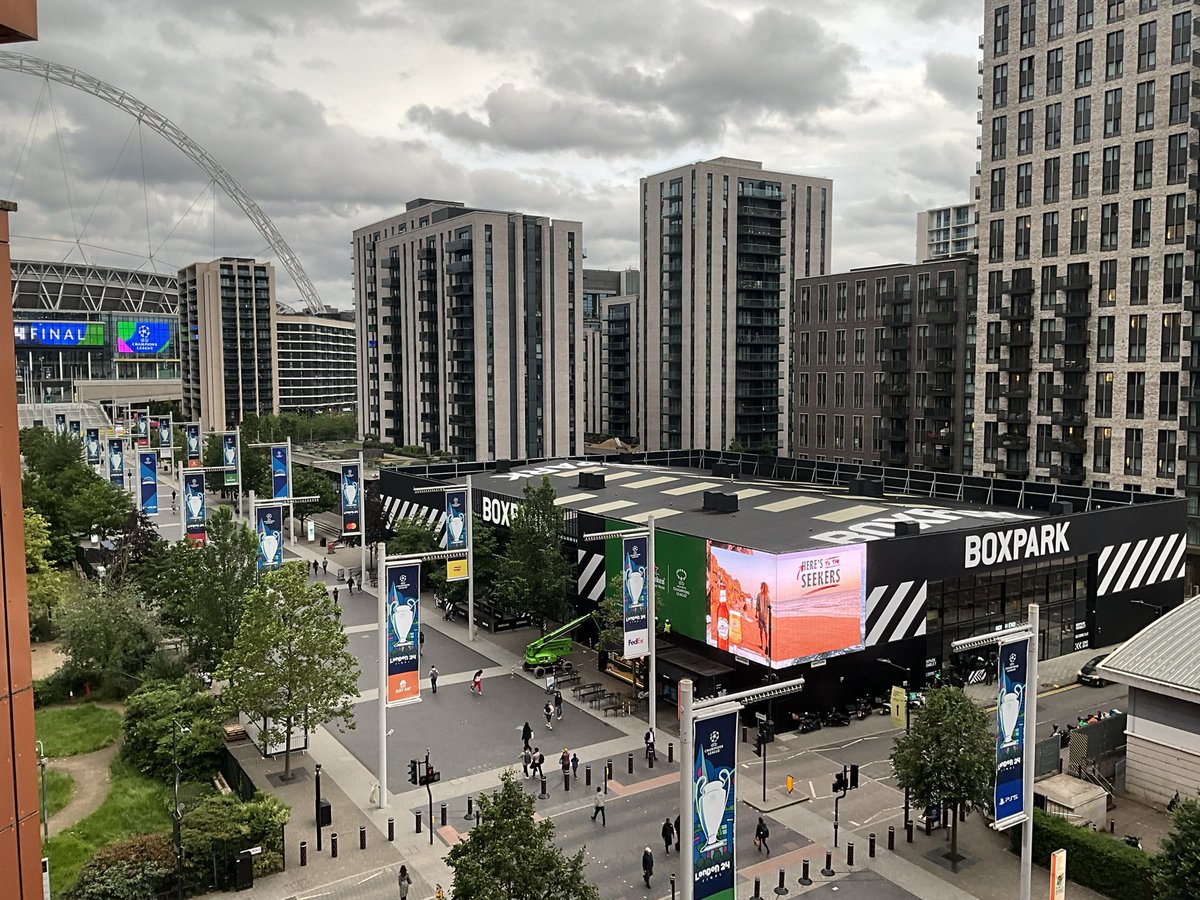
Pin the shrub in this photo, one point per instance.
(1101, 863)
(220, 827)
(151, 714)
(132, 869)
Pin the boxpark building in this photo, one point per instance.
(766, 564)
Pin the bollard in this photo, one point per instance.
(945, 817)
(745, 731)
(470, 808)
(608, 771)
(418, 821)
(891, 837)
(757, 892)
(391, 829)
(871, 845)
(443, 817)
(544, 795)
(587, 775)
(304, 853)
(630, 763)
(333, 845)
(828, 870)
(928, 826)
(566, 781)
(804, 879)
(780, 890)
(362, 834)
(1112, 826)
(850, 853)
(650, 759)
(962, 814)
(908, 832)
(670, 752)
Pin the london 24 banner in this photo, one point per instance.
(351, 498)
(403, 608)
(1010, 733)
(165, 437)
(281, 486)
(458, 533)
(191, 444)
(633, 596)
(116, 462)
(269, 527)
(195, 516)
(148, 482)
(91, 446)
(229, 457)
(714, 805)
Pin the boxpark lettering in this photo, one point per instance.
(924, 517)
(1016, 544)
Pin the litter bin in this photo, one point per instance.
(326, 813)
(244, 871)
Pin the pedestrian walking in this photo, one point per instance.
(405, 882)
(668, 834)
(314, 568)
(174, 500)
(647, 865)
(575, 765)
(535, 764)
(325, 566)
(548, 713)
(761, 833)
(433, 677)
(558, 703)
(477, 682)
(677, 834)
(526, 735)
(598, 808)
(649, 739)
(335, 595)
(349, 584)
(565, 761)
(526, 760)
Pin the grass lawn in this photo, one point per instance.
(59, 787)
(76, 728)
(135, 805)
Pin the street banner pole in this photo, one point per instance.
(652, 679)
(687, 761)
(381, 613)
(182, 503)
(237, 438)
(292, 493)
(1031, 691)
(470, 562)
(362, 534)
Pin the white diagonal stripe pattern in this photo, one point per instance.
(1138, 564)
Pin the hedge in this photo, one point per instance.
(1094, 860)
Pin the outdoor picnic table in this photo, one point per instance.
(613, 702)
(596, 690)
(567, 678)
(584, 688)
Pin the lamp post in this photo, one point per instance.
(317, 803)
(907, 717)
(41, 752)
(177, 812)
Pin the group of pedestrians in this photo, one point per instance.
(553, 710)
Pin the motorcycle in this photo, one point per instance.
(863, 709)
(806, 722)
(835, 717)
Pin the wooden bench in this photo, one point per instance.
(566, 678)
(593, 694)
(584, 688)
(614, 703)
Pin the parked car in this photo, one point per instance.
(1087, 673)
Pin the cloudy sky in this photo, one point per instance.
(333, 114)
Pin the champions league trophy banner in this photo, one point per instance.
(229, 457)
(148, 481)
(714, 807)
(194, 511)
(281, 486)
(60, 423)
(143, 428)
(269, 526)
(403, 582)
(633, 589)
(191, 445)
(165, 437)
(116, 462)
(351, 498)
(1010, 734)
(74, 426)
(91, 446)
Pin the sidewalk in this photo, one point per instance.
(1053, 674)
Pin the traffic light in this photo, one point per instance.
(839, 783)
(412, 771)
(759, 742)
(853, 777)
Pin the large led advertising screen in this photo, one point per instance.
(143, 337)
(58, 334)
(679, 561)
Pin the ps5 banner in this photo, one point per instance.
(351, 498)
(403, 582)
(1010, 734)
(165, 437)
(281, 476)
(191, 444)
(633, 589)
(195, 516)
(91, 446)
(229, 457)
(116, 462)
(148, 479)
(458, 533)
(269, 526)
(714, 805)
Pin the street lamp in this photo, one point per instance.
(41, 752)
(907, 718)
(1158, 610)
(177, 812)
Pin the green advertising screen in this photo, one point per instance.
(680, 563)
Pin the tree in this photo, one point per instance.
(139, 545)
(487, 564)
(512, 857)
(1177, 866)
(289, 663)
(256, 466)
(108, 632)
(949, 757)
(612, 616)
(150, 739)
(308, 482)
(411, 536)
(533, 572)
(47, 588)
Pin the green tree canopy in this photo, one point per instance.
(1177, 866)
(533, 573)
(47, 588)
(107, 632)
(289, 662)
(487, 564)
(148, 726)
(949, 757)
(307, 482)
(512, 857)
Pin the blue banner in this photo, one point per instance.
(351, 494)
(1010, 733)
(143, 428)
(281, 487)
(403, 582)
(458, 520)
(91, 446)
(714, 805)
(165, 437)
(148, 480)
(229, 457)
(191, 445)
(634, 583)
(269, 526)
(116, 462)
(60, 423)
(195, 516)
(75, 426)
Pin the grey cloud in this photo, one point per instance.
(954, 77)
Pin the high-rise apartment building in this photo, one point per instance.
(884, 365)
(598, 286)
(318, 369)
(949, 230)
(722, 243)
(227, 341)
(1087, 218)
(623, 340)
(470, 331)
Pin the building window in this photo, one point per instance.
(1084, 15)
(1170, 337)
(1000, 31)
(1114, 55)
(1021, 238)
(1116, 10)
(999, 136)
(1024, 132)
(1139, 281)
(1108, 226)
(1050, 234)
(1133, 451)
(1177, 151)
(1111, 171)
(1053, 126)
(1080, 163)
(991, 392)
(1168, 395)
(1176, 212)
(1050, 180)
(1145, 106)
(1079, 230)
(1102, 449)
(1166, 453)
(996, 240)
(997, 195)
(1083, 119)
(1143, 164)
(1000, 85)
(1112, 113)
(1137, 338)
(1054, 67)
(1181, 37)
(1024, 184)
(1025, 79)
(860, 346)
(1107, 293)
(1054, 19)
(1147, 42)
(1139, 232)
(1106, 334)
(1135, 395)
(1045, 439)
(1173, 278)
(1083, 64)
(1104, 394)
(1046, 347)
(1028, 22)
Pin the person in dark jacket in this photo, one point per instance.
(668, 834)
(761, 833)
(647, 865)
(526, 735)
(677, 834)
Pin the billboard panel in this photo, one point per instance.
(741, 583)
(74, 426)
(116, 462)
(58, 334)
(403, 632)
(142, 338)
(819, 604)
(91, 446)
(148, 482)
(1010, 733)
(142, 421)
(458, 533)
(165, 435)
(195, 516)
(351, 494)
(634, 587)
(269, 527)
(714, 807)
(679, 561)
(191, 444)
(281, 487)
(60, 423)
(229, 457)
